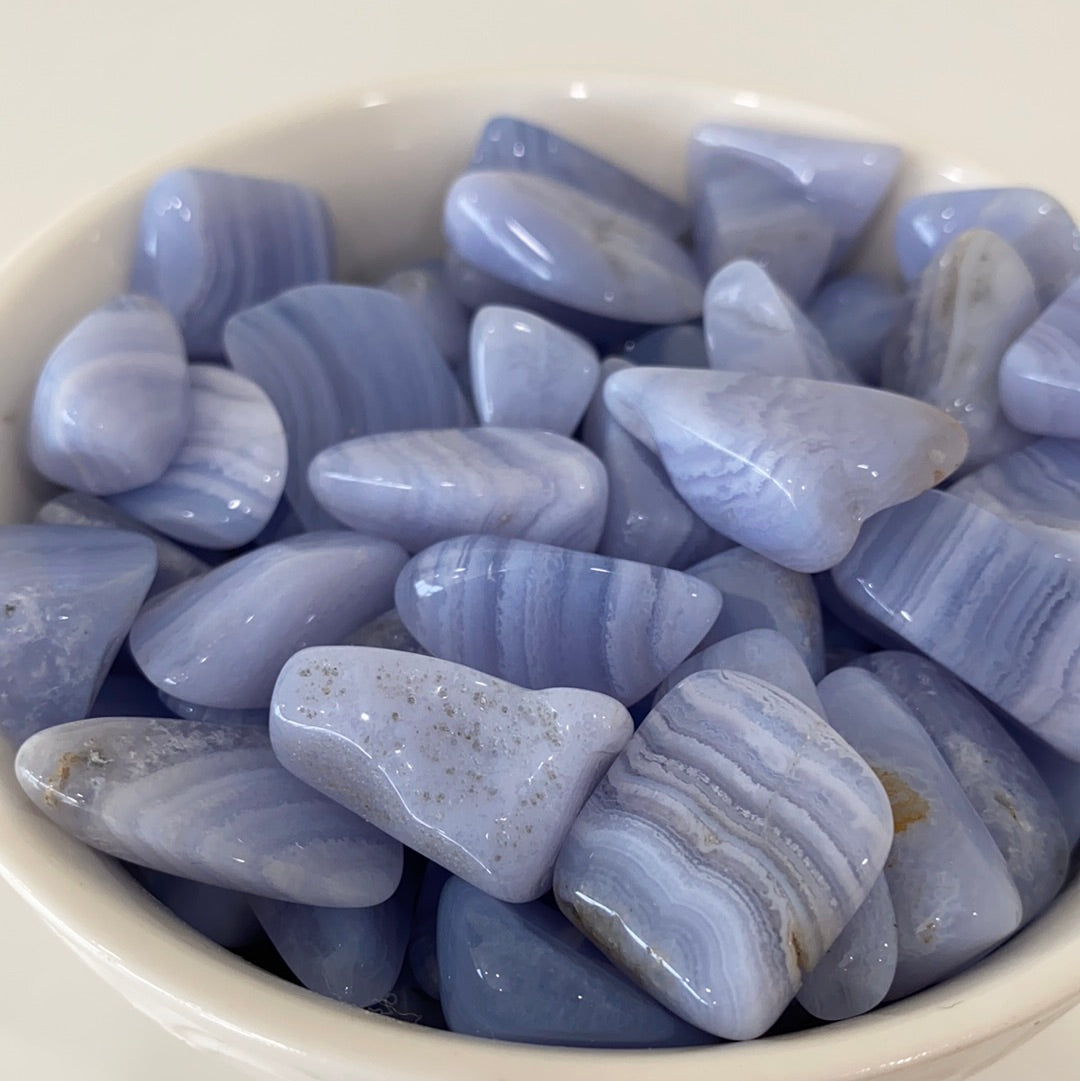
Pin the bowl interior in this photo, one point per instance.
(383, 161)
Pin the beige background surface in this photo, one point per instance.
(90, 90)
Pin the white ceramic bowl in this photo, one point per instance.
(383, 162)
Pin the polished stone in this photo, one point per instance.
(480, 776)
(205, 802)
(542, 616)
(212, 244)
(1061, 775)
(523, 973)
(68, 595)
(856, 314)
(112, 403)
(725, 850)
(426, 289)
(788, 467)
(220, 640)
(385, 632)
(986, 600)
(191, 711)
(679, 346)
(751, 325)
(417, 488)
(340, 361)
(951, 890)
(570, 247)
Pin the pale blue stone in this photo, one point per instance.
(765, 654)
(385, 632)
(725, 850)
(124, 695)
(426, 289)
(846, 180)
(225, 481)
(509, 143)
(1039, 380)
(752, 326)
(529, 373)
(678, 346)
(205, 802)
(1034, 223)
(788, 467)
(340, 361)
(968, 307)
(542, 616)
(174, 564)
(1036, 489)
(856, 973)
(211, 244)
(992, 604)
(749, 209)
(423, 956)
(482, 777)
(112, 402)
(221, 640)
(856, 315)
(408, 1002)
(760, 593)
(647, 520)
(523, 973)
(997, 778)
(417, 488)
(1062, 777)
(951, 890)
(569, 247)
(68, 595)
(191, 711)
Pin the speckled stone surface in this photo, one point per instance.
(482, 777)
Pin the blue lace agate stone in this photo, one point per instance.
(191, 711)
(725, 850)
(385, 632)
(112, 403)
(1062, 777)
(542, 616)
(211, 244)
(856, 314)
(678, 346)
(127, 786)
(426, 289)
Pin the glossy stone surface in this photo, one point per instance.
(225, 481)
(523, 973)
(1039, 379)
(508, 143)
(760, 593)
(570, 247)
(174, 564)
(482, 777)
(951, 890)
(855, 314)
(752, 326)
(845, 180)
(968, 307)
(529, 373)
(221, 640)
(678, 346)
(541, 616)
(426, 289)
(340, 361)
(417, 488)
(191, 711)
(1034, 223)
(718, 895)
(125, 785)
(385, 632)
(788, 467)
(211, 244)
(749, 209)
(943, 573)
(112, 402)
(647, 519)
(68, 595)
(858, 970)
(1061, 775)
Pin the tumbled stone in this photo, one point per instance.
(542, 616)
(125, 786)
(1061, 775)
(192, 711)
(112, 403)
(385, 632)
(221, 640)
(788, 467)
(426, 289)
(856, 314)
(482, 777)
(678, 346)
(724, 851)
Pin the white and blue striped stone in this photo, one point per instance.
(417, 488)
(212, 244)
(340, 361)
(426, 289)
(112, 403)
(724, 851)
(205, 802)
(542, 616)
(856, 314)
